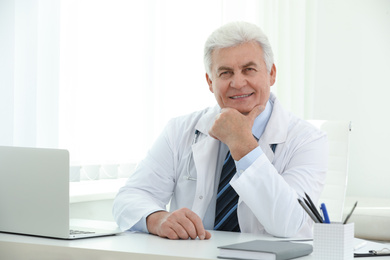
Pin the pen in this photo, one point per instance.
(350, 213)
(308, 211)
(313, 208)
(319, 218)
(325, 213)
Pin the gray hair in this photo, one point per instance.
(233, 34)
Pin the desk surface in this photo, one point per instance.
(127, 246)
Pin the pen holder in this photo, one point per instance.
(333, 241)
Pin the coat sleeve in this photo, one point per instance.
(149, 188)
(268, 196)
(154, 183)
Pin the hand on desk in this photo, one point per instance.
(180, 224)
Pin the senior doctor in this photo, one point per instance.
(277, 156)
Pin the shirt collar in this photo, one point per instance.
(262, 120)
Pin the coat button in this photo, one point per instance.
(200, 197)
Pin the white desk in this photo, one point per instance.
(126, 246)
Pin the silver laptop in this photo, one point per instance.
(34, 194)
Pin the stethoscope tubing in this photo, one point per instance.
(189, 177)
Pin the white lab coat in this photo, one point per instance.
(268, 189)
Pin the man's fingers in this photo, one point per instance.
(208, 235)
(183, 224)
(255, 112)
(212, 134)
(197, 224)
(184, 231)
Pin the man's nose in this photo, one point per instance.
(238, 81)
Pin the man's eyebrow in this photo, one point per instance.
(222, 68)
(249, 64)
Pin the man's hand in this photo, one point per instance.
(235, 130)
(180, 224)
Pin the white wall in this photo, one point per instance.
(352, 82)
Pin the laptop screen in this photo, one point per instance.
(34, 191)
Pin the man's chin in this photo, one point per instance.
(243, 110)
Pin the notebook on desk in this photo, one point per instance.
(34, 194)
(265, 250)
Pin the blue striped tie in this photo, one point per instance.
(227, 199)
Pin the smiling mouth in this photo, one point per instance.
(242, 96)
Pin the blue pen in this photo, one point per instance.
(325, 213)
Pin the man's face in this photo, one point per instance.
(239, 77)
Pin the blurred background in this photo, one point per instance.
(102, 78)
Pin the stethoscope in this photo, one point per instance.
(189, 177)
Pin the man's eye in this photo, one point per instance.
(225, 74)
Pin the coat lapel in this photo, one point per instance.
(205, 153)
(276, 129)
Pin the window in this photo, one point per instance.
(127, 67)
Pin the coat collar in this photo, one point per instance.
(207, 120)
(276, 129)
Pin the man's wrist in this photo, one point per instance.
(248, 160)
(154, 220)
(242, 149)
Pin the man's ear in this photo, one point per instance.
(209, 82)
(272, 75)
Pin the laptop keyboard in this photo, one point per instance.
(78, 232)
